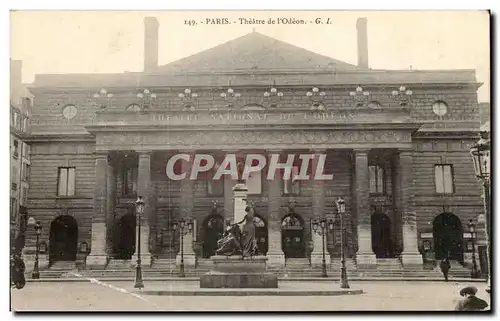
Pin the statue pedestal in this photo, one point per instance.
(238, 272)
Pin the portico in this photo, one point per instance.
(131, 160)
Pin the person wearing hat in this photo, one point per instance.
(470, 301)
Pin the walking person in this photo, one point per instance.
(470, 301)
(445, 268)
(17, 271)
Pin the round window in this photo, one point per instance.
(133, 107)
(69, 111)
(440, 108)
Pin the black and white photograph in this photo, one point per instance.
(250, 161)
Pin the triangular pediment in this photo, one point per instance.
(254, 51)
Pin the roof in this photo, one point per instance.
(254, 51)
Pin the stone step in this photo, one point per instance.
(63, 265)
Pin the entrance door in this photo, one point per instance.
(381, 236)
(292, 237)
(125, 237)
(63, 239)
(448, 237)
(214, 228)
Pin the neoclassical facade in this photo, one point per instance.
(396, 142)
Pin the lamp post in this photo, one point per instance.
(480, 153)
(38, 230)
(472, 231)
(344, 283)
(321, 228)
(139, 207)
(181, 226)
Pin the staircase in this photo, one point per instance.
(458, 271)
(390, 267)
(58, 269)
(117, 264)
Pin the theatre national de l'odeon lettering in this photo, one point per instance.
(396, 144)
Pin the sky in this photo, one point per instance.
(112, 41)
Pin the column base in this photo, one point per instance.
(366, 259)
(96, 261)
(145, 260)
(189, 259)
(317, 259)
(412, 259)
(275, 259)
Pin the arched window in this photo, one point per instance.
(133, 107)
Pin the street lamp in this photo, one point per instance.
(38, 230)
(322, 229)
(181, 226)
(360, 96)
(344, 284)
(139, 207)
(103, 98)
(480, 153)
(402, 96)
(472, 231)
(316, 97)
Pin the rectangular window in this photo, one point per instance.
(13, 209)
(66, 181)
(377, 179)
(443, 177)
(25, 124)
(292, 186)
(25, 196)
(16, 148)
(16, 120)
(254, 183)
(215, 187)
(26, 172)
(129, 179)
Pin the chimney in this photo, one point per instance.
(151, 27)
(362, 43)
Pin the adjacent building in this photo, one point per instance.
(397, 143)
(20, 110)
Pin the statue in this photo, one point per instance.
(239, 242)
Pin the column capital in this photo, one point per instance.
(361, 151)
(144, 152)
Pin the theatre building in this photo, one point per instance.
(396, 144)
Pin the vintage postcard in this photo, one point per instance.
(250, 161)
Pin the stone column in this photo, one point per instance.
(144, 190)
(275, 255)
(97, 257)
(318, 203)
(186, 212)
(410, 255)
(110, 205)
(365, 255)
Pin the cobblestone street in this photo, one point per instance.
(120, 296)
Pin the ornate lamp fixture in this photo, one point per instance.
(146, 99)
(273, 95)
(230, 96)
(317, 99)
(359, 96)
(103, 98)
(402, 97)
(188, 99)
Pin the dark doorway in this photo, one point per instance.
(125, 237)
(448, 237)
(213, 227)
(292, 237)
(261, 235)
(63, 239)
(381, 236)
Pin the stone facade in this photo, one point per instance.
(119, 147)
